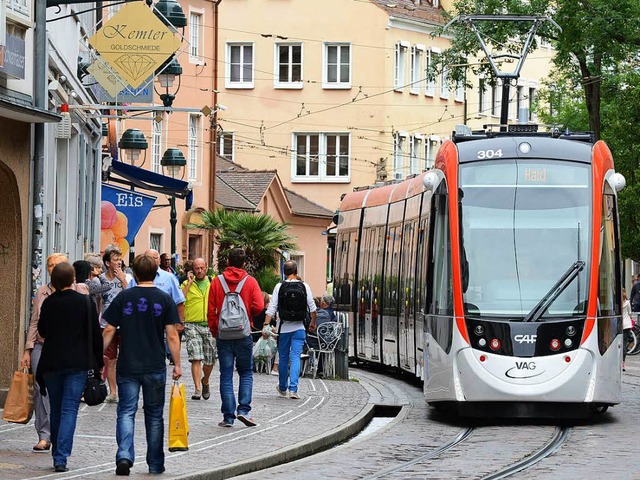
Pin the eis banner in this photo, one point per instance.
(122, 213)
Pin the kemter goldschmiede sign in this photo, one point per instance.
(134, 42)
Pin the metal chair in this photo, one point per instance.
(328, 335)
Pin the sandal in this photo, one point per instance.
(43, 446)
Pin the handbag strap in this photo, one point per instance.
(89, 333)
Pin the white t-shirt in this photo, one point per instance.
(288, 327)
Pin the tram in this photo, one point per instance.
(495, 277)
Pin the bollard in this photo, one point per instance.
(342, 355)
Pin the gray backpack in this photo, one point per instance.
(234, 319)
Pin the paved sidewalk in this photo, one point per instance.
(328, 411)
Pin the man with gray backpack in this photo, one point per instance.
(234, 299)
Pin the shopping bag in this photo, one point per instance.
(18, 407)
(178, 428)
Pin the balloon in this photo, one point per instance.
(123, 245)
(108, 215)
(106, 238)
(120, 228)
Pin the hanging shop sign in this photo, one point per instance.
(134, 42)
(122, 213)
(14, 57)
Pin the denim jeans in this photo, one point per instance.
(239, 352)
(289, 351)
(64, 388)
(153, 392)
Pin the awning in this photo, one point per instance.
(25, 113)
(154, 182)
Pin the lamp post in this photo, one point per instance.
(133, 142)
(173, 163)
(165, 75)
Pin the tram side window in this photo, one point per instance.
(421, 272)
(342, 290)
(442, 303)
(608, 274)
(391, 272)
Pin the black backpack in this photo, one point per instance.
(292, 302)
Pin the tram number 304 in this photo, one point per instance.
(484, 154)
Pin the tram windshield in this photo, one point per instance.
(524, 223)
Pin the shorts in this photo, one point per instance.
(114, 347)
(200, 343)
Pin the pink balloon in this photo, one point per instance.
(108, 215)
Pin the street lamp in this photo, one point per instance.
(132, 142)
(173, 163)
(165, 76)
(171, 14)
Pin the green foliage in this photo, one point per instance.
(267, 279)
(260, 236)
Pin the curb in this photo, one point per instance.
(312, 446)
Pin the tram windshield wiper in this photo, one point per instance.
(563, 282)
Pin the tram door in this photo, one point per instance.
(392, 285)
(407, 276)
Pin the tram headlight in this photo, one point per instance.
(495, 344)
(482, 342)
(479, 330)
(571, 330)
(555, 344)
(568, 342)
(524, 147)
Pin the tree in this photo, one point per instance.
(262, 238)
(596, 37)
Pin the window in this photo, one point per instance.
(417, 52)
(21, 7)
(239, 65)
(483, 97)
(337, 65)
(400, 66)
(225, 145)
(431, 148)
(520, 104)
(299, 259)
(193, 145)
(288, 65)
(430, 72)
(444, 82)
(399, 155)
(532, 99)
(155, 241)
(156, 147)
(195, 37)
(495, 100)
(416, 160)
(323, 157)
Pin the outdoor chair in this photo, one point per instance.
(328, 335)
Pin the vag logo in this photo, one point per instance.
(525, 338)
(525, 365)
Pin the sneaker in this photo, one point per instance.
(123, 467)
(282, 393)
(294, 395)
(112, 399)
(248, 421)
(196, 396)
(225, 424)
(60, 468)
(206, 393)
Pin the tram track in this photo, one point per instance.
(559, 438)
(461, 437)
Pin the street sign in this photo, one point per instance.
(134, 42)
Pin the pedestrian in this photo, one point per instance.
(143, 314)
(238, 351)
(168, 283)
(66, 320)
(292, 299)
(635, 296)
(118, 280)
(165, 263)
(83, 270)
(201, 348)
(33, 350)
(627, 325)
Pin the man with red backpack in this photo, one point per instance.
(291, 299)
(234, 299)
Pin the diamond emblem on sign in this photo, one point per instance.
(136, 65)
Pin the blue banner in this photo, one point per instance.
(122, 213)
